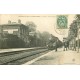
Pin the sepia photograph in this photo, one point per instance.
(39, 39)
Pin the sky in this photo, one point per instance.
(45, 22)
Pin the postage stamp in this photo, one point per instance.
(62, 22)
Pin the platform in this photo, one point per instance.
(15, 49)
(57, 58)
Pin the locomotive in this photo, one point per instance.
(52, 44)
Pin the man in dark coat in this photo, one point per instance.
(66, 45)
(55, 45)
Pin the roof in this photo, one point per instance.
(12, 24)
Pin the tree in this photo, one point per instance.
(78, 17)
(31, 32)
(45, 37)
(73, 30)
(31, 26)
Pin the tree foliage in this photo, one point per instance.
(73, 30)
(31, 26)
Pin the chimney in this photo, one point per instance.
(9, 22)
(19, 21)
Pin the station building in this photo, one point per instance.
(14, 28)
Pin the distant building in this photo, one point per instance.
(14, 28)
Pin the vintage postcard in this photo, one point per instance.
(39, 39)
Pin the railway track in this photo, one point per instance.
(18, 51)
(20, 57)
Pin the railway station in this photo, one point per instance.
(32, 41)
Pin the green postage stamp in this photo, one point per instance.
(62, 22)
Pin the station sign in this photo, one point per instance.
(31, 33)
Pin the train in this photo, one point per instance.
(53, 44)
(50, 46)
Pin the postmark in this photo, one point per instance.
(61, 24)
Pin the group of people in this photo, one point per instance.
(65, 45)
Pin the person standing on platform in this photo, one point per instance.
(56, 42)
